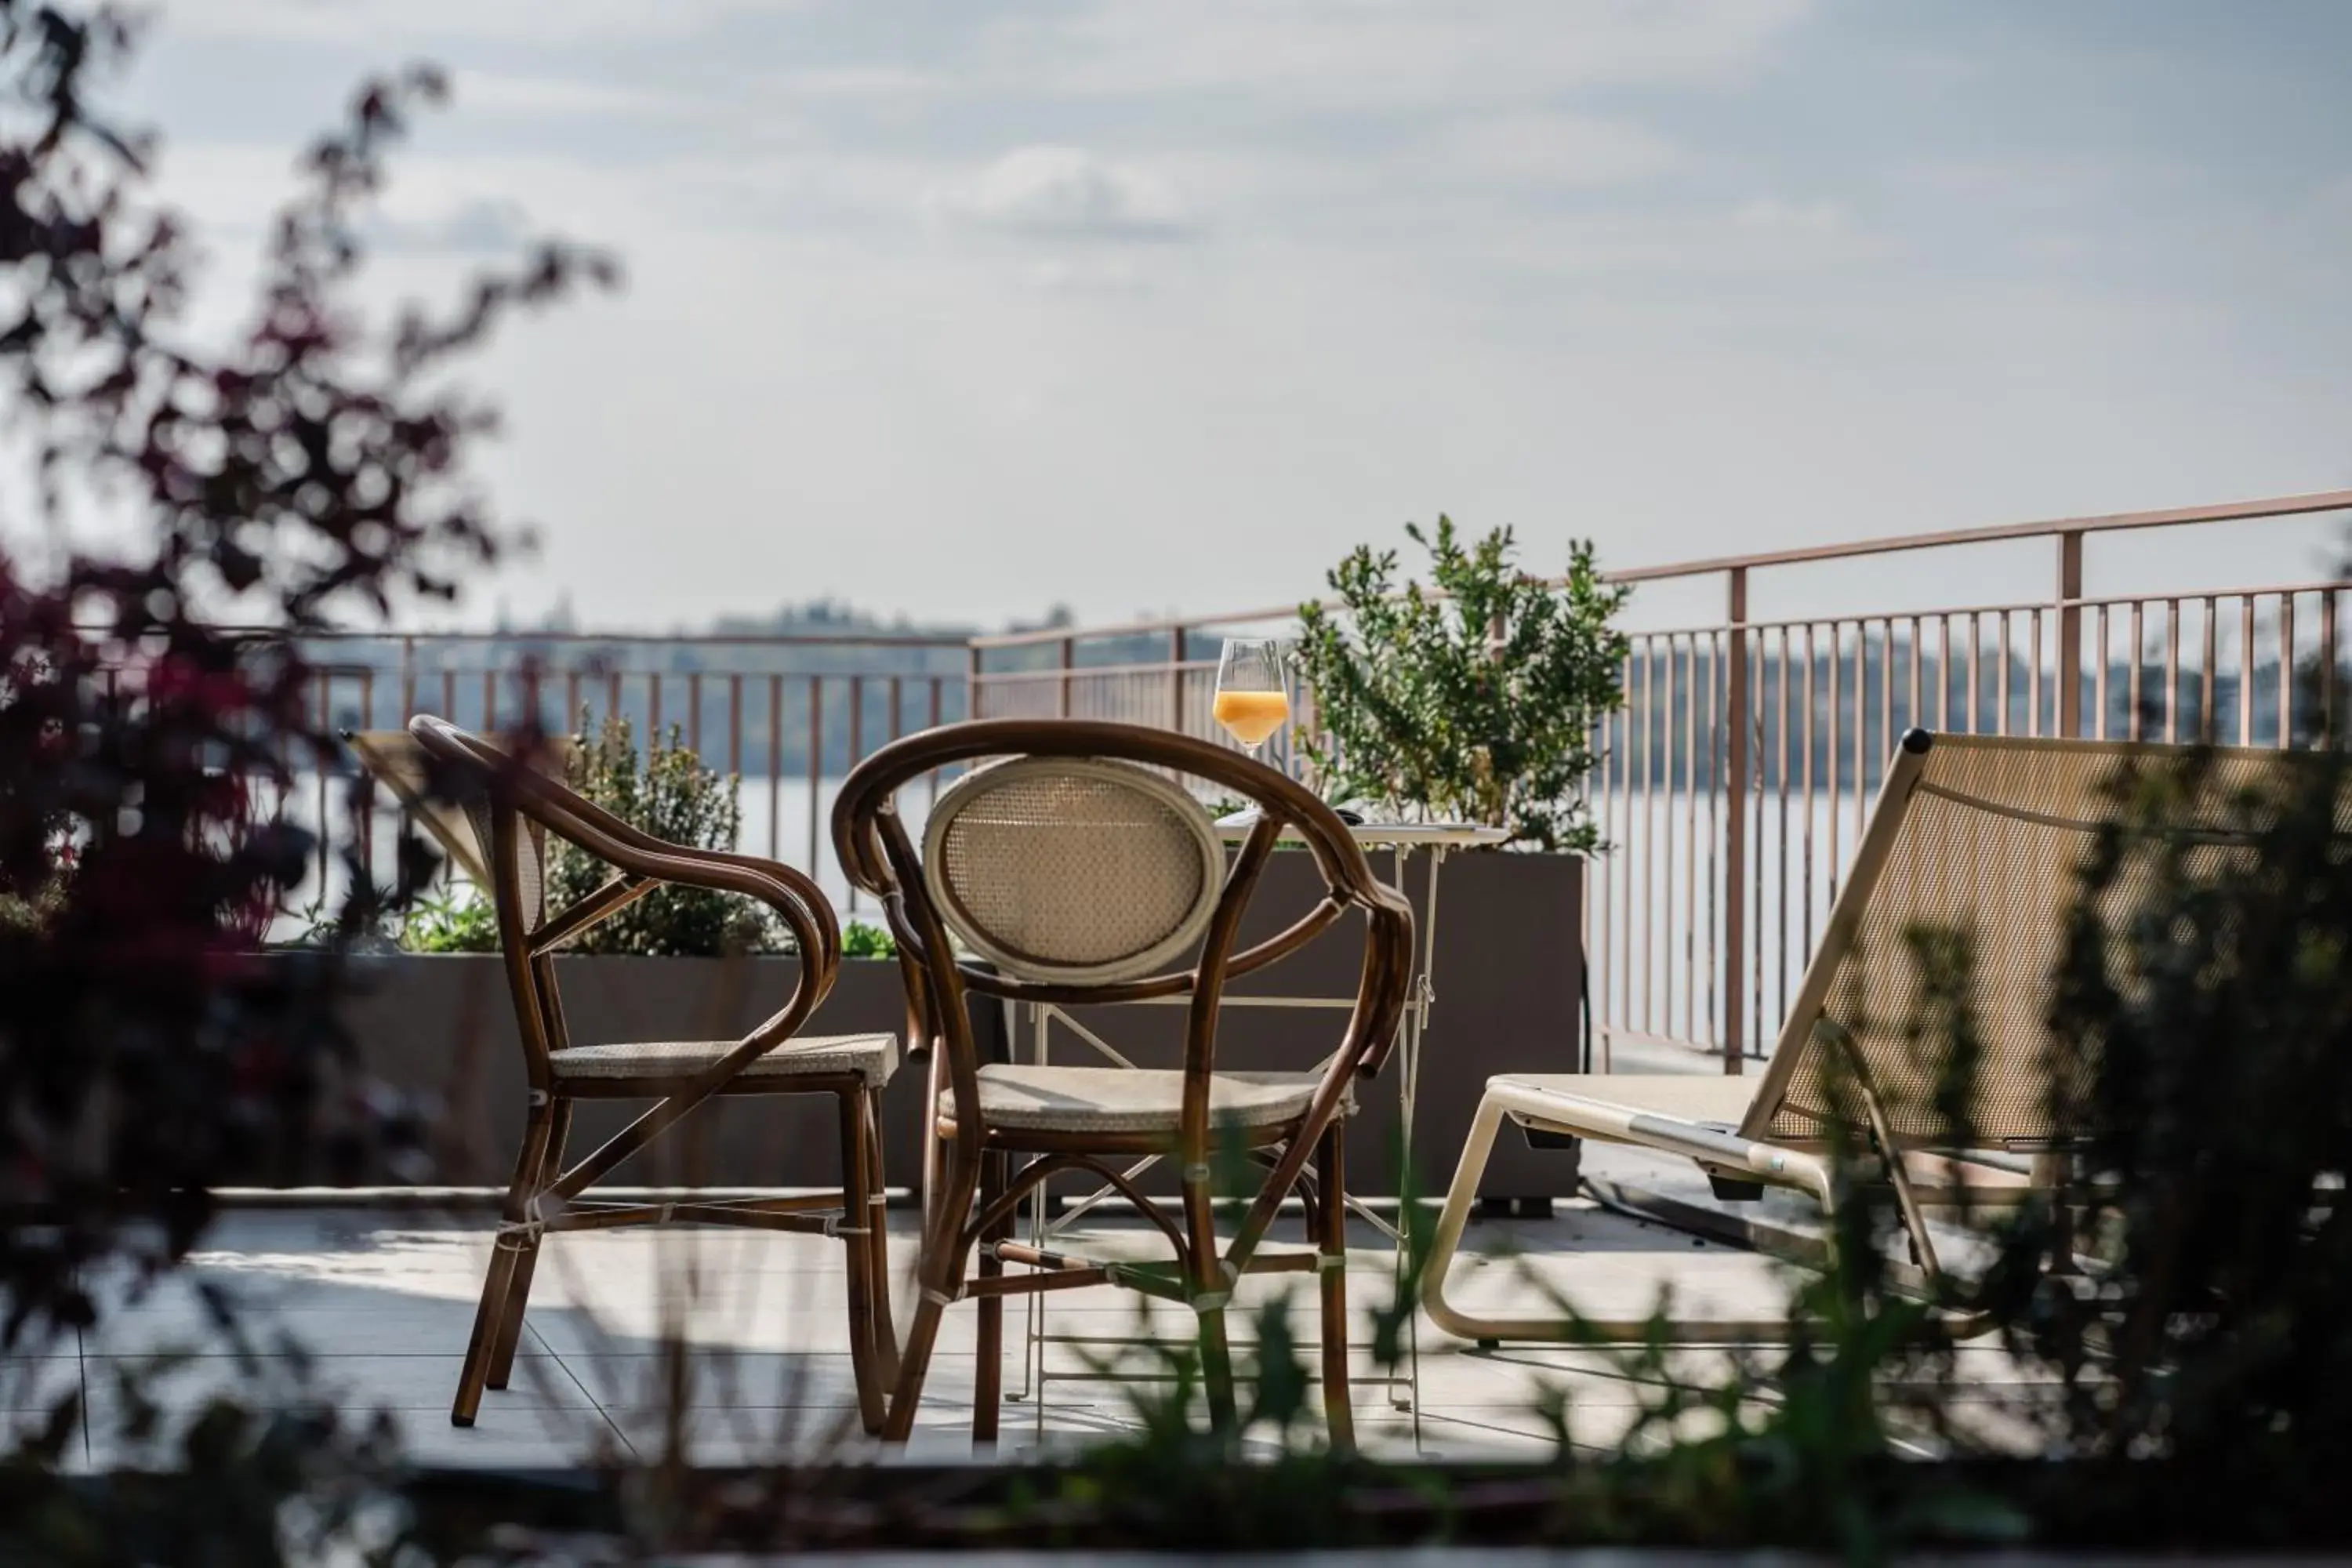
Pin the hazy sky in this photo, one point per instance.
(965, 309)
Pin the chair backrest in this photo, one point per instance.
(1078, 870)
(1981, 836)
(475, 766)
(396, 760)
(1073, 863)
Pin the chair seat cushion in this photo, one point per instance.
(871, 1056)
(1124, 1100)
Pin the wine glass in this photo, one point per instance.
(1252, 690)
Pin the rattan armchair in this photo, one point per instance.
(513, 809)
(1076, 871)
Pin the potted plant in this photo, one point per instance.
(682, 963)
(1475, 698)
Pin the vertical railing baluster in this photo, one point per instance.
(1885, 694)
(2001, 675)
(1975, 674)
(1622, 1003)
(2327, 665)
(2136, 725)
(1780, 769)
(2208, 721)
(1715, 674)
(2106, 634)
(776, 774)
(931, 779)
(735, 727)
(2172, 670)
(815, 761)
(1861, 725)
(2286, 670)
(2070, 637)
(1690, 839)
(1836, 752)
(2246, 669)
(1805, 810)
(1917, 718)
(1650, 833)
(2033, 673)
(1944, 676)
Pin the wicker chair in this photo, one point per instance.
(1078, 874)
(513, 809)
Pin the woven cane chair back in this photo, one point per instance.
(1070, 869)
(479, 763)
(1981, 837)
(531, 858)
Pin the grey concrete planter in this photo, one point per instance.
(1508, 976)
(1508, 987)
(442, 1026)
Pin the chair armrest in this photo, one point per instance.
(816, 931)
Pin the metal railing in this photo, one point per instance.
(787, 715)
(1734, 783)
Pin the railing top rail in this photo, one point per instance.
(689, 639)
(2104, 522)
(2101, 523)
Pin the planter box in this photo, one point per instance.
(442, 1026)
(1507, 986)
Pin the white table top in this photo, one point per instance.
(1384, 834)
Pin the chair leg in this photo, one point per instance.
(1476, 1151)
(940, 1273)
(1330, 1209)
(503, 1352)
(1206, 1270)
(988, 1371)
(857, 1213)
(878, 1244)
(1217, 1371)
(490, 1317)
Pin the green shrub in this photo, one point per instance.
(448, 924)
(859, 940)
(1423, 709)
(668, 792)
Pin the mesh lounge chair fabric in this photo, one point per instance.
(870, 1057)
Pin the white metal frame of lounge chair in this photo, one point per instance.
(1977, 831)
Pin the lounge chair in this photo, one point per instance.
(1971, 833)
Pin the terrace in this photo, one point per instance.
(1733, 791)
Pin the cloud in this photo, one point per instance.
(1068, 193)
(480, 227)
(531, 21)
(1089, 275)
(1391, 54)
(1554, 149)
(495, 93)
